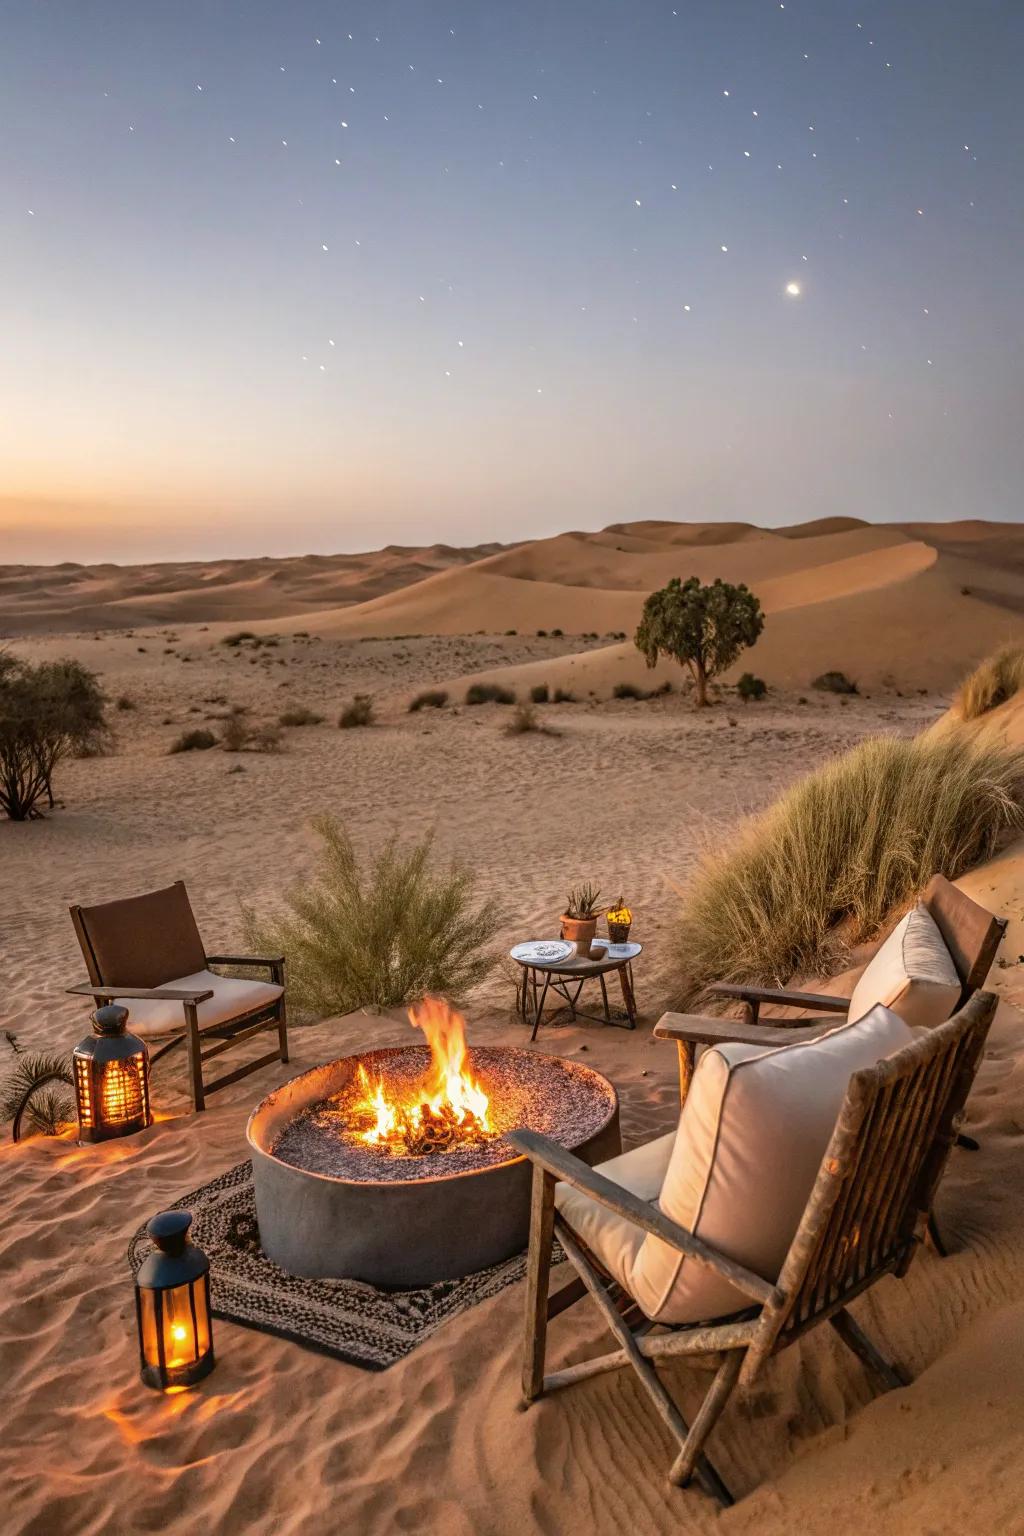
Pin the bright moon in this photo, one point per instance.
(794, 290)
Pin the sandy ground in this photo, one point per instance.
(280, 1440)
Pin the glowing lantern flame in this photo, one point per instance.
(447, 1107)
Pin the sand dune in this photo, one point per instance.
(47, 599)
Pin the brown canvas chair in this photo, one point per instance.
(146, 953)
(865, 1219)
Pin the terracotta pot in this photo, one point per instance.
(580, 931)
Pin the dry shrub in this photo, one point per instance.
(849, 844)
(359, 712)
(997, 679)
(299, 714)
(526, 719)
(431, 698)
(193, 741)
(380, 935)
(489, 693)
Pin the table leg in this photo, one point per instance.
(625, 974)
(538, 1011)
(604, 994)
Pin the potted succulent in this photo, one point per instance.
(618, 919)
(579, 920)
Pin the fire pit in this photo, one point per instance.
(394, 1167)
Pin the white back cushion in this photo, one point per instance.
(751, 1137)
(912, 973)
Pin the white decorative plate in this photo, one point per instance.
(542, 951)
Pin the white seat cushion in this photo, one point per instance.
(912, 973)
(231, 998)
(740, 1168)
(612, 1239)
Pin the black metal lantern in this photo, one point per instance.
(111, 1069)
(172, 1305)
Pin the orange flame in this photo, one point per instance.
(448, 1091)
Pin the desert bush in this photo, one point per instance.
(997, 679)
(558, 633)
(628, 691)
(47, 712)
(834, 682)
(510, 631)
(236, 734)
(238, 637)
(751, 687)
(431, 698)
(563, 696)
(300, 715)
(848, 844)
(380, 934)
(359, 712)
(193, 741)
(125, 702)
(542, 634)
(489, 693)
(539, 693)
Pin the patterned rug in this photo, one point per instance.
(345, 1318)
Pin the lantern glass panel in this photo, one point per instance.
(180, 1317)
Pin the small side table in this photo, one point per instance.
(553, 964)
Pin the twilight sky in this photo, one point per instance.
(309, 277)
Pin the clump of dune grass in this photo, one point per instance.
(563, 696)
(431, 698)
(997, 679)
(193, 741)
(359, 712)
(489, 693)
(848, 845)
(525, 720)
(540, 693)
(378, 934)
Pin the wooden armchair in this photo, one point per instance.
(146, 953)
(971, 934)
(865, 1218)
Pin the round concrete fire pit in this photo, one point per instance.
(330, 1206)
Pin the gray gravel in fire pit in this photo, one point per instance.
(563, 1099)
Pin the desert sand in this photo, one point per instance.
(280, 1440)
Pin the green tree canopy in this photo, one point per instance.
(702, 627)
(46, 712)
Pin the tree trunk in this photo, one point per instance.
(701, 679)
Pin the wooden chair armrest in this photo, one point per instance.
(165, 994)
(271, 962)
(784, 996)
(562, 1164)
(694, 1029)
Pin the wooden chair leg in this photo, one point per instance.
(195, 1057)
(935, 1237)
(629, 1354)
(538, 1267)
(707, 1417)
(854, 1337)
(282, 1030)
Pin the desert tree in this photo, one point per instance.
(702, 627)
(47, 712)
